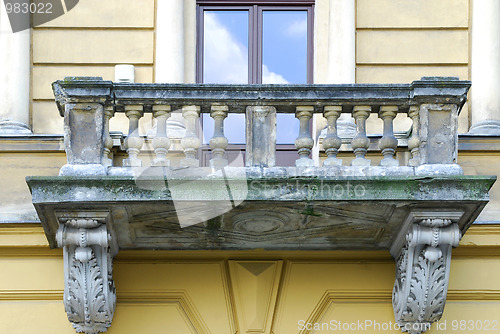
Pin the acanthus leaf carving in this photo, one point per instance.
(422, 272)
(86, 304)
(89, 292)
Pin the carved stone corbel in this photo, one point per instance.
(89, 246)
(423, 269)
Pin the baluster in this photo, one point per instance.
(190, 143)
(332, 141)
(388, 143)
(360, 143)
(218, 143)
(304, 141)
(161, 143)
(414, 141)
(134, 142)
(108, 141)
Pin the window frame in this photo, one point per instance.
(285, 152)
(255, 31)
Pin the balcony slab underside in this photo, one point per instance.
(257, 208)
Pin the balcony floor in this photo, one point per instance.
(258, 208)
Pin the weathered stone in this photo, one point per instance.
(261, 136)
(83, 170)
(304, 142)
(360, 142)
(89, 245)
(133, 142)
(218, 143)
(439, 169)
(190, 143)
(388, 143)
(332, 142)
(83, 138)
(414, 140)
(81, 102)
(268, 189)
(423, 254)
(107, 139)
(161, 142)
(438, 133)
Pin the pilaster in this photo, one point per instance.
(485, 67)
(14, 78)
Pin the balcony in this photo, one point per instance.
(416, 203)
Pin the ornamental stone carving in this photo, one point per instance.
(88, 249)
(422, 273)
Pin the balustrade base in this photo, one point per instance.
(190, 162)
(161, 162)
(83, 170)
(332, 170)
(439, 169)
(304, 162)
(389, 162)
(218, 163)
(132, 163)
(332, 162)
(360, 162)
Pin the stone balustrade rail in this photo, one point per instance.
(88, 103)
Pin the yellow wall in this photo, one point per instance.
(89, 41)
(223, 292)
(401, 41)
(398, 41)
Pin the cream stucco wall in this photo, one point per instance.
(223, 292)
(394, 42)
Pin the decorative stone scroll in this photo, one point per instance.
(88, 248)
(422, 273)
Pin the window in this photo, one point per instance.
(264, 43)
(268, 42)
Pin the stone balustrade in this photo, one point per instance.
(432, 103)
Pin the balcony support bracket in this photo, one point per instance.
(423, 268)
(89, 246)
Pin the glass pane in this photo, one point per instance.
(284, 47)
(225, 49)
(284, 60)
(234, 128)
(287, 128)
(225, 60)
